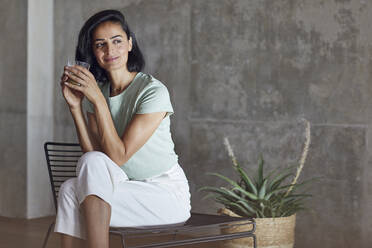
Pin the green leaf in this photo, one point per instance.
(278, 190)
(220, 191)
(236, 186)
(260, 170)
(247, 180)
(272, 172)
(247, 206)
(223, 201)
(231, 193)
(246, 213)
(261, 214)
(298, 185)
(291, 211)
(246, 193)
(279, 178)
(267, 196)
(273, 214)
(233, 183)
(208, 196)
(262, 192)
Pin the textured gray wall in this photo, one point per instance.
(249, 70)
(13, 91)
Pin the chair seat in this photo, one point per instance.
(197, 229)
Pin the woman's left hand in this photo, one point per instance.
(86, 83)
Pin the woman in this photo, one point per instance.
(129, 174)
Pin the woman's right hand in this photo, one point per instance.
(73, 97)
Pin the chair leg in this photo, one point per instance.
(47, 235)
(254, 241)
(123, 241)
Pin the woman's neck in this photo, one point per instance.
(120, 80)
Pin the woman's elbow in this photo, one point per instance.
(117, 153)
(120, 161)
(120, 158)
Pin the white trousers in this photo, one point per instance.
(159, 200)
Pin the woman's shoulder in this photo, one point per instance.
(150, 87)
(149, 81)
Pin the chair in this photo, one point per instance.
(61, 162)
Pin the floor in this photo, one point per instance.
(19, 233)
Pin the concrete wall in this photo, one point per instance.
(249, 70)
(13, 91)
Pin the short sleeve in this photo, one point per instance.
(87, 106)
(154, 98)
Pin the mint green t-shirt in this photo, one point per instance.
(145, 94)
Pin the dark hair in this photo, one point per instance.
(84, 51)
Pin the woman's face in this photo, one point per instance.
(111, 46)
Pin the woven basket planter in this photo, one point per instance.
(270, 232)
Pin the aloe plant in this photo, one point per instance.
(262, 195)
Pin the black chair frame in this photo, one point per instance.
(61, 162)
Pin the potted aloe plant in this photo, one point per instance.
(272, 199)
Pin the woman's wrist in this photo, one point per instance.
(75, 109)
(99, 101)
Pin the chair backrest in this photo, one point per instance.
(61, 161)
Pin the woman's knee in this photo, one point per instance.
(91, 156)
(90, 159)
(67, 188)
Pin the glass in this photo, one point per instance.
(71, 62)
